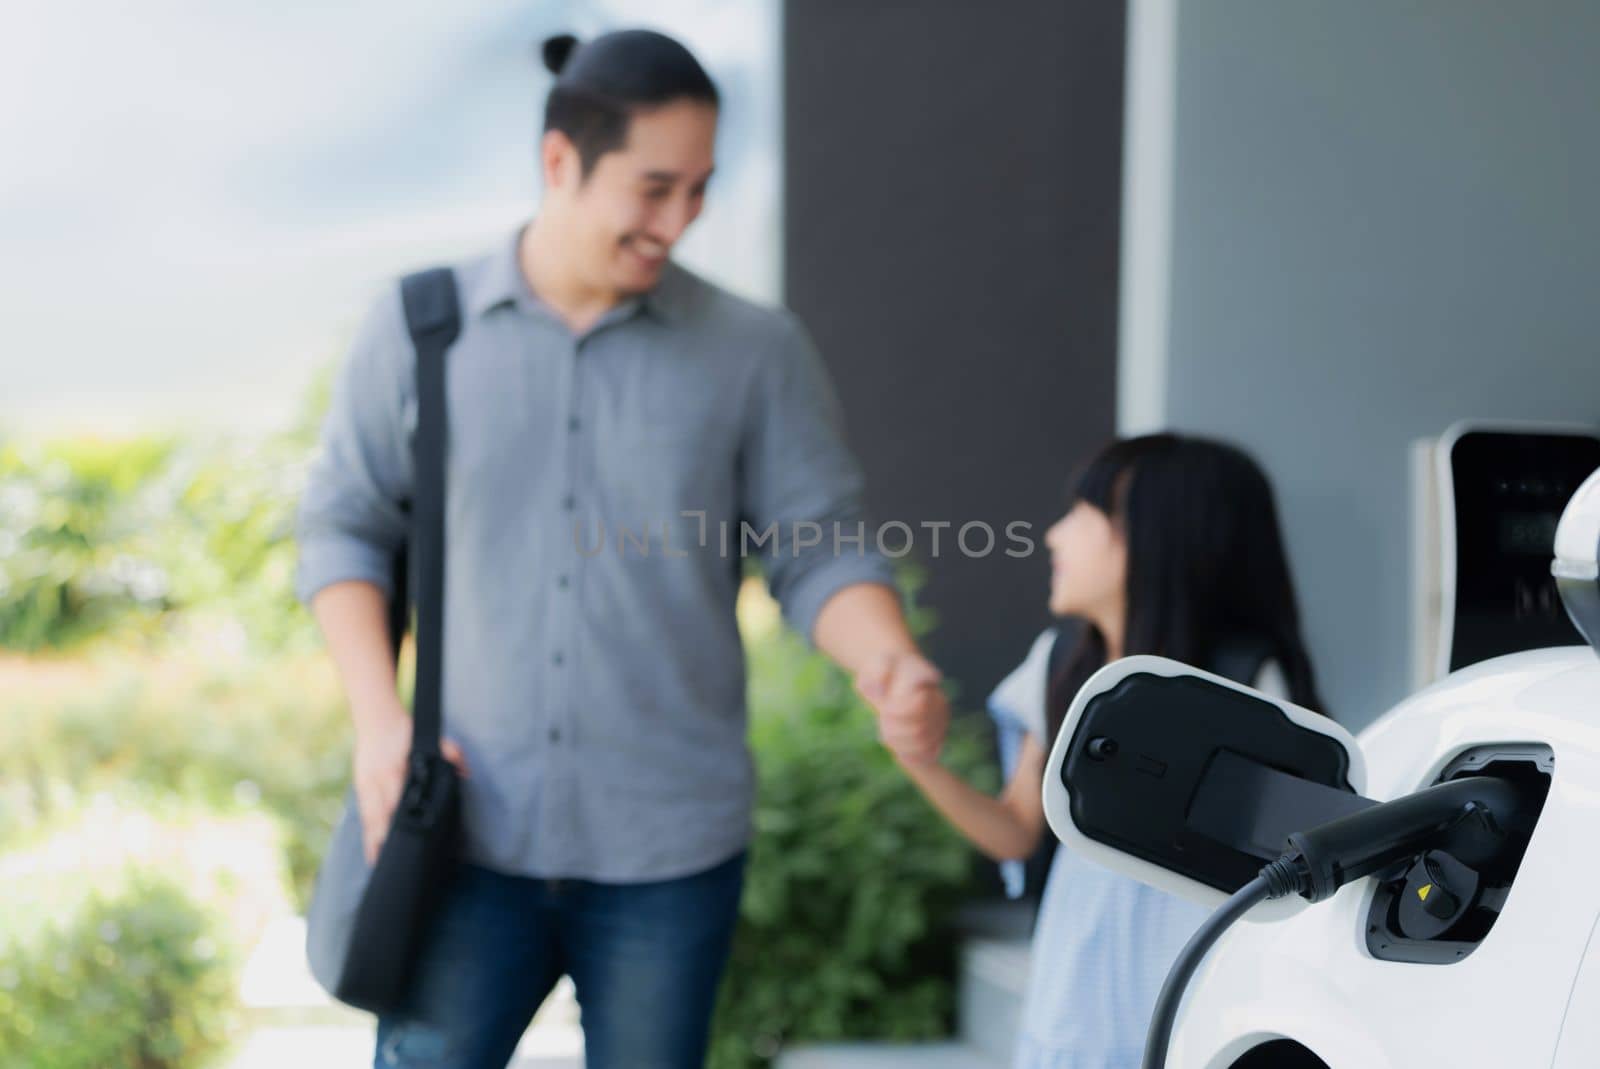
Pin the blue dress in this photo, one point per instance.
(1102, 944)
(1101, 949)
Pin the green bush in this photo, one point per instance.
(103, 963)
(136, 981)
(226, 512)
(69, 561)
(155, 535)
(853, 878)
(241, 736)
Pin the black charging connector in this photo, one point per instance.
(1466, 817)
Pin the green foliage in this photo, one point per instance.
(70, 564)
(852, 879)
(148, 535)
(226, 513)
(210, 776)
(135, 981)
(241, 736)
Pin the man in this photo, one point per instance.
(618, 426)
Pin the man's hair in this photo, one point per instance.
(601, 85)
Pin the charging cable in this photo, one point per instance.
(1278, 879)
(1467, 815)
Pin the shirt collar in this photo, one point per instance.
(500, 281)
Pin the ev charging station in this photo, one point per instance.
(1425, 894)
(1485, 498)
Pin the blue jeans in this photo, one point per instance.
(645, 960)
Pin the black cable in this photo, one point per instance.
(1282, 877)
(1467, 816)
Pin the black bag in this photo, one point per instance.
(366, 925)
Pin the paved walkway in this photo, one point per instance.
(293, 1022)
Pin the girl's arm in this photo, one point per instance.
(1006, 828)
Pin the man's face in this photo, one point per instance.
(641, 197)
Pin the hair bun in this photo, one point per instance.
(557, 50)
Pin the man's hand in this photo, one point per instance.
(383, 747)
(913, 714)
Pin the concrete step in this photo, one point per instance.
(305, 1047)
(994, 975)
(276, 988)
(886, 1056)
(291, 1021)
(342, 1047)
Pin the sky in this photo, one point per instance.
(199, 200)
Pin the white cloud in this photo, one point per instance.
(200, 197)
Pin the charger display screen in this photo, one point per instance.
(1510, 490)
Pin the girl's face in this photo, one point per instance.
(1088, 564)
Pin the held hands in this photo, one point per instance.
(381, 753)
(913, 714)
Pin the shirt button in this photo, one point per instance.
(563, 582)
(558, 659)
(555, 734)
(573, 424)
(569, 502)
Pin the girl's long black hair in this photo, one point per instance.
(1206, 564)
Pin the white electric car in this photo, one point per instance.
(1453, 926)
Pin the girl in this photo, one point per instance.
(1171, 547)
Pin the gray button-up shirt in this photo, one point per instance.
(600, 488)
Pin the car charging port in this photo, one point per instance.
(1437, 908)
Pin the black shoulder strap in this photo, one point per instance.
(433, 316)
(1069, 633)
(1240, 658)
